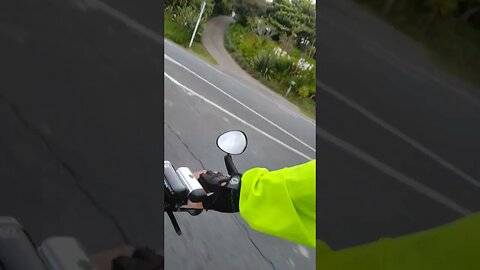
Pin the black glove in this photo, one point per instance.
(141, 259)
(226, 196)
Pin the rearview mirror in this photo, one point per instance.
(232, 142)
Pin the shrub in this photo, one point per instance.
(248, 8)
(262, 62)
(222, 7)
(185, 13)
(185, 16)
(304, 91)
(271, 62)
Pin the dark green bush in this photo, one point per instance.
(222, 7)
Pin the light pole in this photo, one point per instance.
(202, 8)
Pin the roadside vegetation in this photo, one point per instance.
(448, 29)
(180, 18)
(275, 43)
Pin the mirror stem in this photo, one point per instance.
(231, 169)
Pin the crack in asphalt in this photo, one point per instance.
(253, 243)
(67, 168)
(184, 144)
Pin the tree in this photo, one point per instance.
(248, 8)
(439, 8)
(442, 7)
(222, 7)
(260, 27)
(296, 17)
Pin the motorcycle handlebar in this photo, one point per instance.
(17, 250)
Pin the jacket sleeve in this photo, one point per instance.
(282, 202)
(452, 246)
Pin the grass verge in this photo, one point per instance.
(306, 105)
(178, 34)
(201, 51)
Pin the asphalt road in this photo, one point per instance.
(80, 129)
(80, 125)
(201, 102)
(394, 133)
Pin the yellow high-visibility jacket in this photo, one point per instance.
(282, 203)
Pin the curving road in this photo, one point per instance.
(397, 138)
(81, 129)
(201, 102)
(213, 40)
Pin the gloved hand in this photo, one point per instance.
(224, 199)
(141, 259)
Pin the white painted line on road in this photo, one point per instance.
(236, 117)
(290, 111)
(239, 102)
(400, 177)
(95, 4)
(398, 133)
(401, 64)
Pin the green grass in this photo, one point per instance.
(451, 43)
(306, 105)
(178, 34)
(201, 51)
(175, 32)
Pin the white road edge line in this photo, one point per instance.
(400, 177)
(95, 4)
(399, 134)
(295, 113)
(405, 64)
(236, 117)
(157, 38)
(239, 102)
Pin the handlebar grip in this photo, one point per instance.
(173, 183)
(17, 251)
(196, 193)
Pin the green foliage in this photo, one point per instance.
(280, 77)
(186, 16)
(248, 8)
(222, 7)
(304, 91)
(249, 44)
(264, 56)
(175, 31)
(287, 42)
(282, 67)
(442, 7)
(186, 13)
(297, 18)
(263, 62)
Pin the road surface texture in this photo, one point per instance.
(213, 38)
(397, 139)
(80, 143)
(201, 102)
(80, 123)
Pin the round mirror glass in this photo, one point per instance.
(232, 142)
